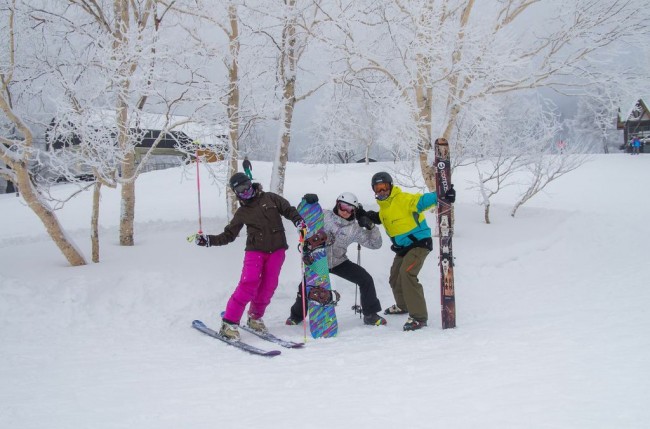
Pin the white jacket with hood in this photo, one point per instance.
(343, 232)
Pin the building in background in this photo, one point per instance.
(635, 124)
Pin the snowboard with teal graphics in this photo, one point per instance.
(320, 305)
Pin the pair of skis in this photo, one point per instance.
(200, 326)
(445, 233)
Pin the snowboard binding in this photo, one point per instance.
(323, 296)
(312, 243)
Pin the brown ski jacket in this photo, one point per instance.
(262, 216)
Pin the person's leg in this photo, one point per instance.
(357, 274)
(246, 290)
(296, 312)
(395, 284)
(412, 289)
(268, 283)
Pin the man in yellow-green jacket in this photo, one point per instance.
(401, 213)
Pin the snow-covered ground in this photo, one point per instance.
(553, 326)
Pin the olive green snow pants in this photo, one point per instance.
(407, 290)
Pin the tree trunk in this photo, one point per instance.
(127, 212)
(288, 74)
(94, 222)
(233, 102)
(282, 156)
(46, 215)
(30, 195)
(456, 88)
(424, 145)
(423, 95)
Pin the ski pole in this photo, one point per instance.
(198, 187)
(301, 241)
(356, 307)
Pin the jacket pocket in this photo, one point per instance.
(254, 239)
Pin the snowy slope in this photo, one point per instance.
(552, 320)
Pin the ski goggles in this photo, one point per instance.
(381, 187)
(345, 207)
(245, 190)
(243, 187)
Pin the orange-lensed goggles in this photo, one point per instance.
(381, 187)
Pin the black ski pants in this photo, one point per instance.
(353, 273)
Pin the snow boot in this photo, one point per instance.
(257, 325)
(414, 324)
(229, 330)
(374, 319)
(292, 322)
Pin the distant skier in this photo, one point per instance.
(248, 168)
(266, 243)
(342, 230)
(636, 146)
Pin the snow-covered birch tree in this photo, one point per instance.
(525, 133)
(545, 168)
(594, 123)
(17, 150)
(99, 64)
(288, 27)
(445, 56)
(224, 16)
(133, 66)
(118, 23)
(348, 125)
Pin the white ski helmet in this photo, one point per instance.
(348, 198)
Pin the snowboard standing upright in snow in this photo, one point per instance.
(345, 224)
(321, 300)
(445, 232)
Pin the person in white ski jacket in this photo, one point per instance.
(344, 226)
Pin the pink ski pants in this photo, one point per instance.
(259, 279)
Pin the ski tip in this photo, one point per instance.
(272, 353)
(198, 323)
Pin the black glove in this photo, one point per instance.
(360, 211)
(373, 216)
(450, 195)
(310, 198)
(365, 222)
(202, 240)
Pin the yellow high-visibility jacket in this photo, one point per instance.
(401, 214)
